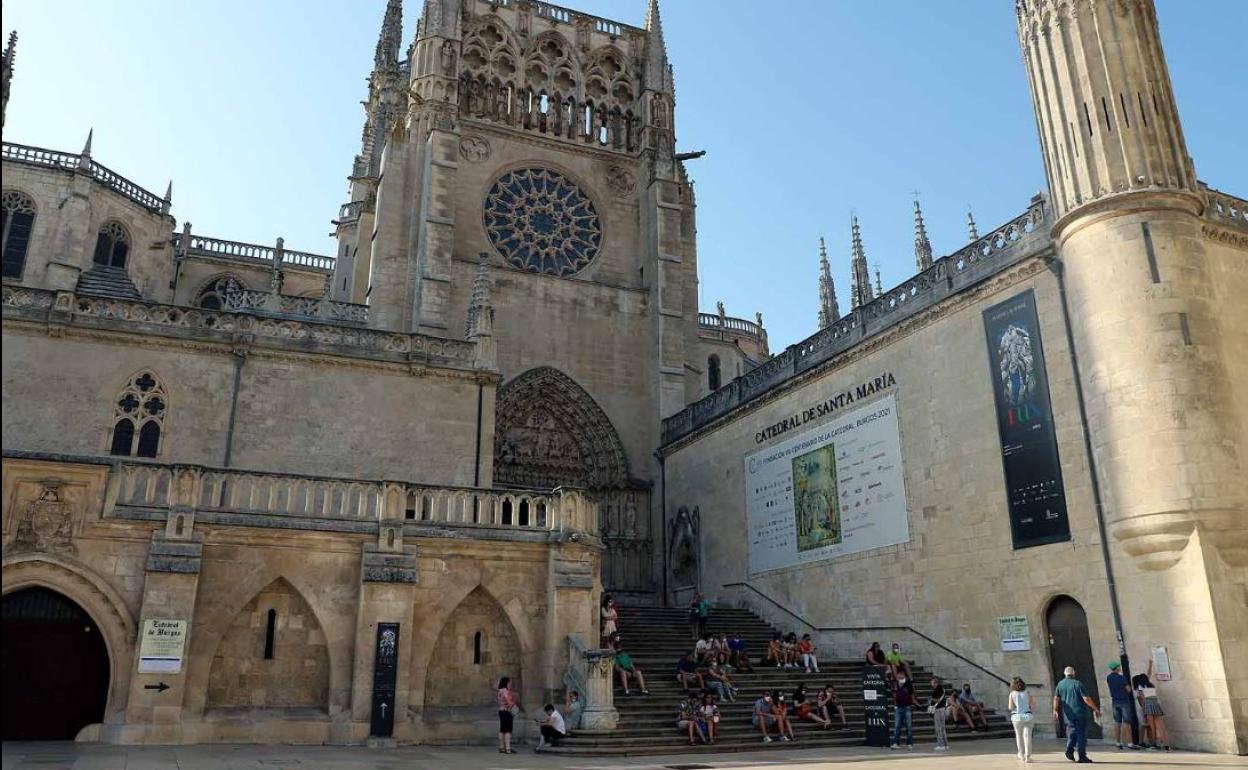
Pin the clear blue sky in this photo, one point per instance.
(807, 108)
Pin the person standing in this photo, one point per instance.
(1021, 718)
(1072, 704)
(1120, 700)
(938, 707)
(1146, 692)
(508, 705)
(903, 710)
(610, 618)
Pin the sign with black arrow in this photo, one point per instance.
(160, 687)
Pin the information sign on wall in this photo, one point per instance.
(1020, 386)
(385, 677)
(161, 646)
(1015, 633)
(1161, 664)
(829, 491)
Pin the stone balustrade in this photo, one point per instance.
(589, 673)
(1025, 235)
(727, 326)
(239, 251)
(1224, 207)
(258, 301)
(45, 306)
(264, 499)
(39, 156)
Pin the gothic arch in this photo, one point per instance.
(454, 680)
(549, 432)
(274, 654)
(97, 598)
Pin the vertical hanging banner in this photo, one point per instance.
(1033, 472)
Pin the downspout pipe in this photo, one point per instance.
(1056, 267)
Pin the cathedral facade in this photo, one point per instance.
(288, 496)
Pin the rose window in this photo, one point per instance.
(540, 221)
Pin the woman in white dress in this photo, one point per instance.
(610, 618)
(1021, 718)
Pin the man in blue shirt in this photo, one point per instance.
(1120, 693)
(1071, 704)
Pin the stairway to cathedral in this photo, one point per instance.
(657, 637)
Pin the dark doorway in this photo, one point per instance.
(1069, 645)
(55, 667)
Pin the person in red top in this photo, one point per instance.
(806, 654)
(508, 704)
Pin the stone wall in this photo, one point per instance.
(294, 672)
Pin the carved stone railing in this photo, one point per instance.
(350, 212)
(267, 302)
(249, 494)
(39, 156)
(67, 307)
(1022, 236)
(1225, 207)
(239, 251)
(589, 673)
(726, 326)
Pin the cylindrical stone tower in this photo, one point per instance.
(1155, 344)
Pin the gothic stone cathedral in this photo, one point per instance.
(306, 492)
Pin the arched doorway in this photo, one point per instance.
(55, 667)
(1070, 645)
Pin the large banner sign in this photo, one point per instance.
(1033, 472)
(830, 491)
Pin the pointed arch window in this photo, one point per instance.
(212, 296)
(19, 220)
(112, 245)
(712, 373)
(139, 417)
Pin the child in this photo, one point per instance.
(708, 717)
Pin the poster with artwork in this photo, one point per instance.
(830, 491)
(1035, 495)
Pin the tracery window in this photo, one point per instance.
(540, 221)
(212, 296)
(139, 417)
(112, 245)
(19, 219)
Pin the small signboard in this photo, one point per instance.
(161, 646)
(385, 675)
(1015, 633)
(1161, 664)
(875, 687)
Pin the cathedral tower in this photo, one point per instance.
(1156, 311)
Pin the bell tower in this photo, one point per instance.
(1156, 323)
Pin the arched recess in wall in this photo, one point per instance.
(97, 598)
(285, 668)
(478, 628)
(550, 432)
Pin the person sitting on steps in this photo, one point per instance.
(827, 703)
(780, 710)
(624, 665)
(875, 655)
(805, 709)
(775, 650)
(720, 682)
(687, 670)
(738, 658)
(702, 650)
(971, 706)
(806, 654)
(552, 727)
(789, 647)
(762, 718)
(687, 717)
(708, 717)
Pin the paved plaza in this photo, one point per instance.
(983, 755)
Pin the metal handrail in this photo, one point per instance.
(911, 629)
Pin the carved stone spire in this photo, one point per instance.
(922, 246)
(480, 323)
(829, 310)
(862, 293)
(6, 72)
(657, 72)
(84, 157)
(167, 203)
(971, 229)
(879, 287)
(389, 42)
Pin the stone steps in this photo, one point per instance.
(105, 281)
(656, 638)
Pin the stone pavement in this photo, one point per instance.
(983, 755)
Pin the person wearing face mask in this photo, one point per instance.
(763, 718)
(903, 710)
(896, 661)
(971, 706)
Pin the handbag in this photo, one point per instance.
(931, 709)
